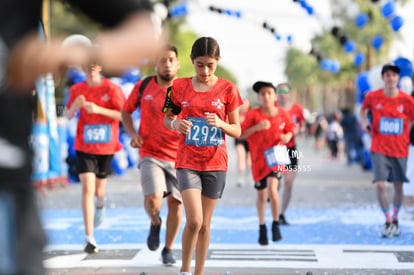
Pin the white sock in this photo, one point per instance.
(184, 273)
(91, 239)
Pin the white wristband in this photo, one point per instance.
(172, 124)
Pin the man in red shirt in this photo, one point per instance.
(391, 111)
(295, 110)
(158, 150)
(99, 102)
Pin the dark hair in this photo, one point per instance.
(170, 47)
(205, 46)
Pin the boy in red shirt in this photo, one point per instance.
(97, 140)
(392, 110)
(265, 128)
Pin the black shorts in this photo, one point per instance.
(98, 164)
(242, 142)
(262, 184)
(293, 156)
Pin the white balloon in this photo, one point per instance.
(374, 78)
(406, 84)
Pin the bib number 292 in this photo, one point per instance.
(202, 134)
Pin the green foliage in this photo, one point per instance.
(329, 47)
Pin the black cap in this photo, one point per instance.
(390, 67)
(260, 84)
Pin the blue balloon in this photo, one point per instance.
(396, 23)
(359, 59)
(289, 38)
(349, 46)
(131, 75)
(326, 64)
(405, 65)
(362, 85)
(361, 20)
(377, 41)
(335, 67)
(388, 8)
(76, 75)
(310, 10)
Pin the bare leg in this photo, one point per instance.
(203, 240)
(272, 186)
(194, 221)
(174, 219)
(289, 178)
(88, 207)
(261, 205)
(152, 205)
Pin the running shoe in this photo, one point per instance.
(99, 216)
(167, 256)
(263, 235)
(395, 229)
(282, 220)
(387, 232)
(153, 240)
(91, 247)
(276, 236)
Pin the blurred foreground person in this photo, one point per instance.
(23, 57)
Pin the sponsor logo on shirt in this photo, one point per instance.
(185, 104)
(378, 106)
(105, 98)
(148, 97)
(400, 108)
(282, 125)
(217, 103)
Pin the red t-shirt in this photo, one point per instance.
(390, 122)
(296, 113)
(97, 134)
(204, 149)
(260, 141)
(159, 142)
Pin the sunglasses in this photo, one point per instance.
(284, 90)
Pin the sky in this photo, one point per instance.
(252, 53)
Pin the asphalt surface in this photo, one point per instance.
(324, 184)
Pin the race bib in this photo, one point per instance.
(202, 134)
(391, 126)
(97, 133)
(277, 155)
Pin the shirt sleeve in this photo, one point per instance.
(366, 104)
(109, 12)
(118, 98)
(234, 99)
(132, 103)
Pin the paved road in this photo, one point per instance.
(335, 228)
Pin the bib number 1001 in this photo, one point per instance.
(202, 134)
